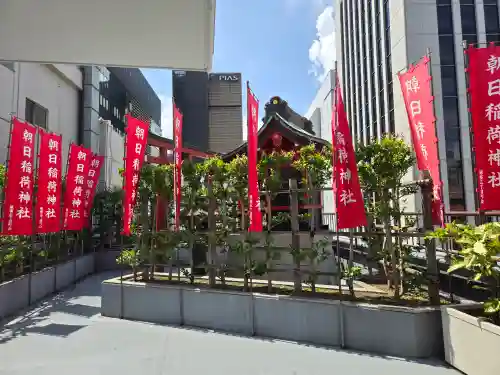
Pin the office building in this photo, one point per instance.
(85, 104)
(211, 105)
(224, 112)
(48, 96)
(320, 115)
(379, 38)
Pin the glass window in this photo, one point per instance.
(455, 182)
(445, 20)
(491, 19)
(447, 50)
(470, 39)
(35, 114)
(468, 16)
(449, 80)
(443, 2)
(450, 113)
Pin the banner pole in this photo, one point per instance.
(429, 70)
(471, 133)
(36, 157)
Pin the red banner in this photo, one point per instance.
(254, 214)
(348, 196)
(177, 122)
(78, 164)
(91, 187)
(48, 202)
(484, 89)
(135, 146)
(419, 102)
(18, 203)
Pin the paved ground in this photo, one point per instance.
(67, 335)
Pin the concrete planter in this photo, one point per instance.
(17, 294)
(397, 331)
(470, 344)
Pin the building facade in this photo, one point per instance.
(86, 105)
(320, 114)
(211, 105)
(48, 96)
(379, 38)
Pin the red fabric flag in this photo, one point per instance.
(254, 214)
(48, 202)
(78, 164)
(348, 196)
(419, 102)
(484, 89)
(177, 122)
(135, 146)
(91, 186)
(18, 203)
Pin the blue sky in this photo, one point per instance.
(282, 47)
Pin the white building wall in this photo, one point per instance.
(323, 102)
(54, 87)
(111, 146)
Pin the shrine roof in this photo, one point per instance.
(288, 126)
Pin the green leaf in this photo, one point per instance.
(492, 306)
(480, 249)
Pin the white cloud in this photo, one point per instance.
(166, 116)
(322, 50)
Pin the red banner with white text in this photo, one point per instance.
(177, 122)
(18, 202)
(419, 101)
(91, 187)
(254, 214)
(348, 197)
(48, 202)
(135, 146)
(78, 164)
(484, 88)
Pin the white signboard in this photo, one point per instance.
(175, 34)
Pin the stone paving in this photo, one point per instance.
(67, 335)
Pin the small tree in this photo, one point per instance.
(2, 176)
(480, 254)
(382, 166)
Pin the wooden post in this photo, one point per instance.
(430, 245)
(212, 206)
(294, 219)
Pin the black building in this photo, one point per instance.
(126, 90)
(190, 91)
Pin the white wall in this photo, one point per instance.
(112, 148)
(55, 88)
(322, 127)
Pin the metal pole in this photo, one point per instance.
(471, 133)
(33, 216)
(429, 69)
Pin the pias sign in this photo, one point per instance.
(228, 77)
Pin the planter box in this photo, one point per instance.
(298, 319)
(15, 294)
(393, 330)
(139, 301)
(387, 330)
(218, 310)
(470, 344)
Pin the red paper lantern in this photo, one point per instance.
(277, 138)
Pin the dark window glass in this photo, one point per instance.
(443, 2)
(491, 19)
(445, 20)
(35, 114)
(468, 16)
(447, 50)
(470, 39)
(450, 113)
(493, 38)
(456, 183)
(449, 80)
(8, 65)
